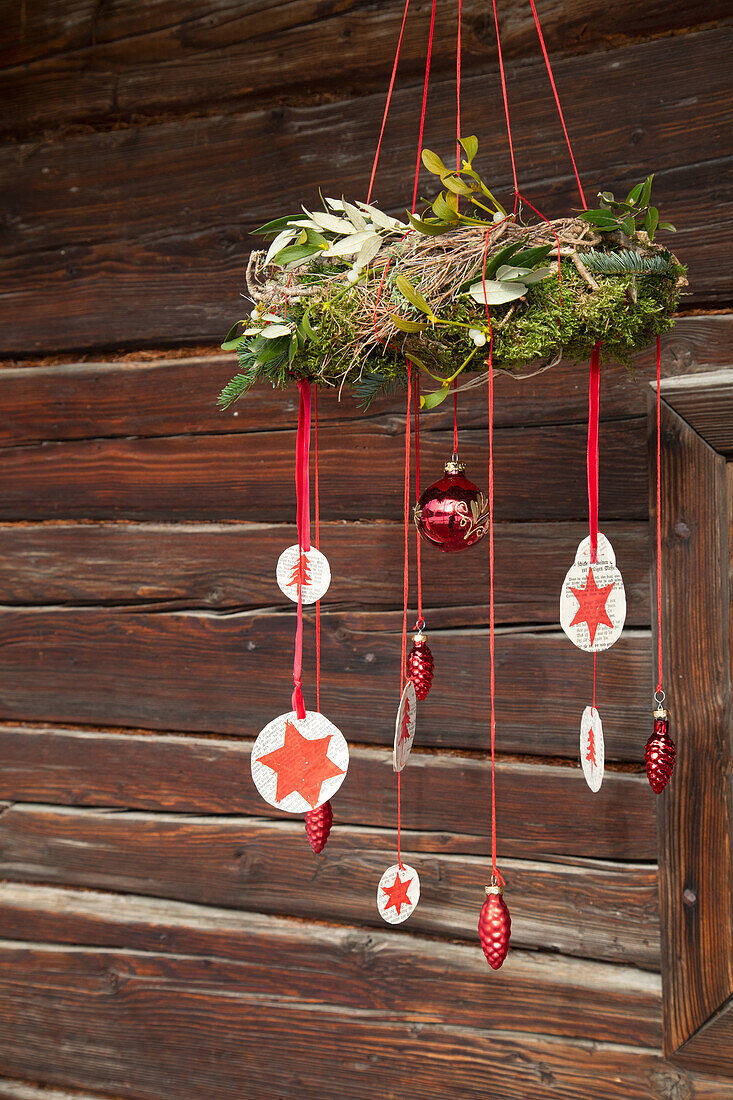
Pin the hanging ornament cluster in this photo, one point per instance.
(350, 296)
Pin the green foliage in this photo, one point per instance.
(627, 262)
(627, 216)
(463, 182)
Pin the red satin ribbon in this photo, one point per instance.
(594, 394)
(302, 496)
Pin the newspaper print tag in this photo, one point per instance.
(398, 893)
(593, 600)
(592, 753)
(404, 727)
(299, 763)
(604, 550)
(308, 571)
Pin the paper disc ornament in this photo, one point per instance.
(299, 763)
(593, 601)
(398, 893)
(452, 513)
(404, 729)
(307, 571)
(592, 752)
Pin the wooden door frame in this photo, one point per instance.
(694, 813)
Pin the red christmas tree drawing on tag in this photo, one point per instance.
(405, 727)
(397, 893)
(591, 754)
(301, 765)
(592, 605)
(300, 574)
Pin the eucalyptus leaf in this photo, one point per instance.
(537, 275)
(283, 238)
(354, 216)
(501, 258)
(330, 222)
(295, 253)
(349, 246)
(272, 331)
(510, 274)
(414, 297)
(368, 251)
(271, 229)
(384, 221)
(335, 204)
(497, 292)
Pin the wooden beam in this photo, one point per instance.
(705, 402)
(211, 776)
(694, 823)
(592, 909)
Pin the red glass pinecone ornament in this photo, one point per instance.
(660, 753)
(452, 513)
(420, 665)
(494, 927)
(318, 825)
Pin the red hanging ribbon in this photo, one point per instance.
(302, 496)
(594, 393)
(659, 515)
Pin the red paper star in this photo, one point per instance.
(397, 894)
(592, 605)
(301, 765)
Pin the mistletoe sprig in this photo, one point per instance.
(627, 216)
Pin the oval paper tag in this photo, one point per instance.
(592, 753)
(308, 570)
(593, 600)
(404, 728)
(299, 763)
(398, 893)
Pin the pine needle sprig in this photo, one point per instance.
(626, 262)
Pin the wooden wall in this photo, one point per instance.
(164, 935)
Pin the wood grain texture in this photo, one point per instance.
(357, 968)
(231, 566)
(232, 672)
(176, 396)
(706, 405)
(76, 63)
(24, 1090)
(693, 816)
(94, 242)
(250, 477)
(116, 1007)
(594, 910)
(211, 776)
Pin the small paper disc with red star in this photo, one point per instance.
(592, 755)
(398, 893)
(308, 570)
(299, 763)
(404, 727)
(593, 605)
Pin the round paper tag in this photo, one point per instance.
(398, 893)
(404, 727)
(299, 763)
(308, 571)
(593, 605)
(592, 754)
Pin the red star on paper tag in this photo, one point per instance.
(397, 893)
(301, 765)
(592, 605)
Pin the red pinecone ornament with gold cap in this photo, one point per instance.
(318, 825)
(420, 665)
(660, 753)
(494, 927)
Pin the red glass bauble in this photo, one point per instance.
(420, 665)
(318, 825)
(494, 927)
(660, 753)
(452, 513)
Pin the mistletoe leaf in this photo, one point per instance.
(414, 297)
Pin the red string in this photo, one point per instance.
(594, 388)
(594, 681)
(302, 495)
(492, 624)
(316, 511)
(455, 417)
(458, 89)
(399, 822)
(418, 547)
(506, 106)
(659, 515)
(389, 100)
(557, 101)
(424, 103)
(406, 508)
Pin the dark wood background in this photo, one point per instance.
(164, 935)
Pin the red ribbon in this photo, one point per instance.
(302, 496)
(594, 395)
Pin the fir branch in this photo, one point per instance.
(626, 262)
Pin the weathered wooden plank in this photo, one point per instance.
(169, 273)
(232, 566)
(348, 966)
(540, 474)
(231, 673)
(68, 75)
(23, 1090)
(706, 404)
(693, 815)
(176, 396)
(597, 911)
(104, 1018)
(546, 807)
